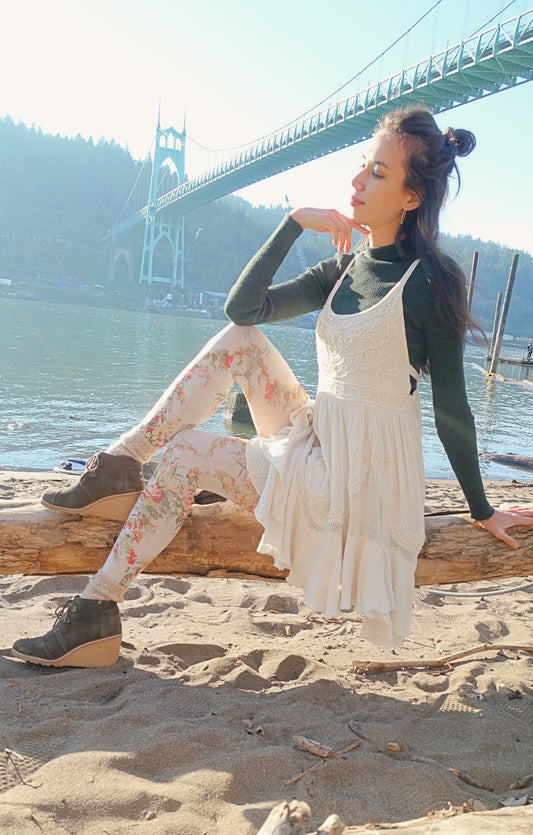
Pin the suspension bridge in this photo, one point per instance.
(497, 59)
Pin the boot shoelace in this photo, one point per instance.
(63, 612)
(92, 463)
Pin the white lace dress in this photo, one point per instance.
(342, 488)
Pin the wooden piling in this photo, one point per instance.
(472, 281)
(497, 310)
(503, 319)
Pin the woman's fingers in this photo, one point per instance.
(512, 543)
(330, 221)
(498, 523)
(523, 510)
(364, 230)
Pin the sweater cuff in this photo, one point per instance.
(292, 224)
(483, 515)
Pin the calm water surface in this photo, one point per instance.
(73, 378)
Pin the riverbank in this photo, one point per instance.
(192, 730)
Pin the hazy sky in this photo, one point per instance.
(243, 68)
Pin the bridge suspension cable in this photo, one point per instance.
(350, 80)
(129, 198)
(333, 93)
(492, 18)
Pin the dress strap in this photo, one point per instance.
(409, 271)
(401, 283)
(404, 279)
(350, 265)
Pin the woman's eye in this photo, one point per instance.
(375, 172)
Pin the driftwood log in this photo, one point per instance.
(521, 462)
(290, 819)
(220, 540)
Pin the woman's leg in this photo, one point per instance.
(237, 354)
(196, 459)
(113, 479)
(87, 631)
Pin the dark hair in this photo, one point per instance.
(430, 159)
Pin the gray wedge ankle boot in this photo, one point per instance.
(86, 633)
(109, 487)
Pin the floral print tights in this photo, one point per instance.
(196, 459)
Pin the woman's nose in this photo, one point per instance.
(357, 182)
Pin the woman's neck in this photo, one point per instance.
(379, 239)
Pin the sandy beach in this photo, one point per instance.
(192, 730)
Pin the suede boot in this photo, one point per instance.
(86, 633)
(109, 487)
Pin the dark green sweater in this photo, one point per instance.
(252, 301)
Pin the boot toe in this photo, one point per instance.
(66, 499)
(32, 649)
(49, 497)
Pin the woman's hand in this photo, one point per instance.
(507, 516)
(338, 225)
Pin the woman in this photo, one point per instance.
(338, 484)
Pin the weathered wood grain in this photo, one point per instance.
(219, 540)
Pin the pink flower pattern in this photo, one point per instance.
(167, 498)
(217, 369)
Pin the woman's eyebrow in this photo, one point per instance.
(376, 162)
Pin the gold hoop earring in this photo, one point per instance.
(404, 215)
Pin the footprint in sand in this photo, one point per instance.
(490, 629)
(191, 654)
(281, 626)
(276, 666)
(429, 683)
(200, 597)
(277, 603)
(153, 608)
(175, 584)
(57, 589)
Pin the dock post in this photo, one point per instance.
(472, 281)
(495, 326)
(503, 319)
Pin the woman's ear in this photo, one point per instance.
(412, 201)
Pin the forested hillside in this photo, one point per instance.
(59, 196)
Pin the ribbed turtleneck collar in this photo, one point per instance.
(389, 253)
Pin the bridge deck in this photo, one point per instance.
(497, 59)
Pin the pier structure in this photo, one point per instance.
(514, 366)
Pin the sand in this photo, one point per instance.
(192, 730)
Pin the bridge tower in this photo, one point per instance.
(159, 231)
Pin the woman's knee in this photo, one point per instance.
(235, 337)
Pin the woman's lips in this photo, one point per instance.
(355, 202)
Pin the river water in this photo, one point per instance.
(72, 378)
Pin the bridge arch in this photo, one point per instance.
(121, 268)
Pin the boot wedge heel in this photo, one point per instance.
(111, 507)
(101, 653)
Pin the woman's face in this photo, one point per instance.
(380, 195)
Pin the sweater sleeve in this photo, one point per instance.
(252, 300)
(453, 417)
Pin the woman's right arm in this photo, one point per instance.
(252, 300)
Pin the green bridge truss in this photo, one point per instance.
(497, 59)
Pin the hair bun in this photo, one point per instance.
(463, 141)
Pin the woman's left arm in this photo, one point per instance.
(456, 429)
